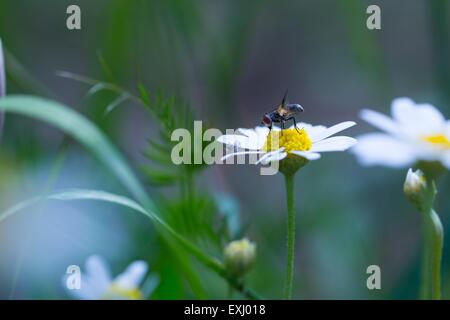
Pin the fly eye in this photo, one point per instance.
(266, 120)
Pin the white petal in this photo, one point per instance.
(247, 132)
(311, 130)
(98, 274)
(339, 143)
(260, 131)
(252, 142)
(307, 154)
(240, 153)
(331, 130)
(379, 120)
(274, 157)
(132, 276)
(268, 155)
(418, 118)
(382, 149)
(402, 109)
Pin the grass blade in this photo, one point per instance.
(99, 195)
(86, 133)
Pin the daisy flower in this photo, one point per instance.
(306, 141)
(97, 283)
(291, 148)
(416, 132)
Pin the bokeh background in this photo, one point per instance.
(231, 61)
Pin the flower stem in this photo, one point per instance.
(289, 182)
(432, 256)
(425, 266)
(436, 243)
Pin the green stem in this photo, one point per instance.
(289, 182)
(436, 243)
(425, 266)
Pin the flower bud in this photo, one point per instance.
(415, 183)
(239, 257)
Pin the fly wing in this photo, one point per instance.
(281, 109)
(285, 100)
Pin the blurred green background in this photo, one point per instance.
(231, 61)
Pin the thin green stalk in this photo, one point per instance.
(425, 264)
(289, 182)
(436, 243)
(432, 256)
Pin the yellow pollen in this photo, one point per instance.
(116, 292)
(289, 139)
(438, 140)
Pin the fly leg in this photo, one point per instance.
(295, 122)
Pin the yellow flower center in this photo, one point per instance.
(289, 139)
(115, 292)
(438, 140)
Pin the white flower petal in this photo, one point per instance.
(274, 157)
(339, 143)
(240, 153)
(260, 132)
(331, 130)
(402, 109)
(379, 120)
(382, 149)
(307, 154)
(417, 118)
(246, 132)
(132, 276)
(253, 143)
(311, 130)
(268, 155)
(98, 274)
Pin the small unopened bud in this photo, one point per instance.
(239, 257)
(415, 183)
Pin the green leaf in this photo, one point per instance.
(116, 102)
(87, 134)
(82, 130)
(99, 195)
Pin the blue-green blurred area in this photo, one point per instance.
(231, 61)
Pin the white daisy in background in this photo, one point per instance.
(97, 283)
(306, 142)
(416, 132)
